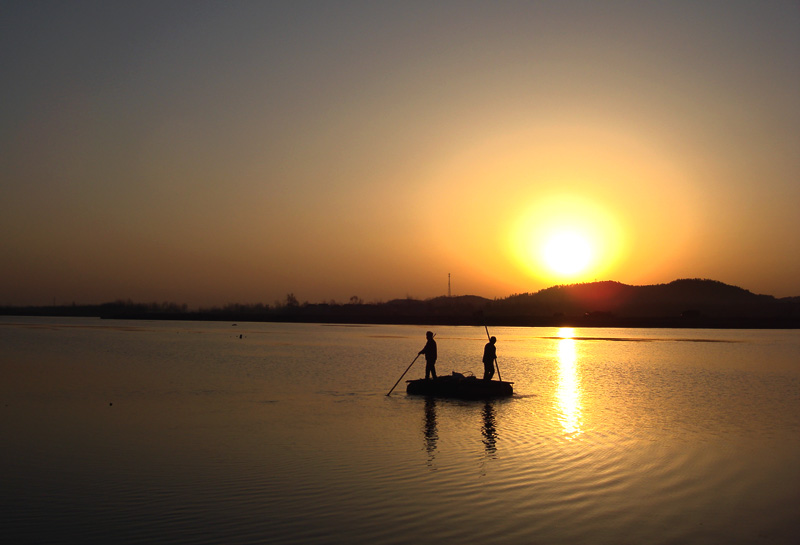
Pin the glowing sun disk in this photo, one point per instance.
(567, 253)
(566, 238)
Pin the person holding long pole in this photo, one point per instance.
(430, 356)
(489, 358)
(493, 350)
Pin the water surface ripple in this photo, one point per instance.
(134, 432)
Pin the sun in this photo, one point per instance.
(567, 253)
(566, 238)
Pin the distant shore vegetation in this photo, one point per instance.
(681, 303)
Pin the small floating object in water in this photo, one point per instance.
(460, 387)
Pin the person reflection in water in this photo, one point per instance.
(489, 355)
(431, 435)
(430, 356)
(489, 429)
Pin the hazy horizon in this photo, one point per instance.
(283, 301)
(237, 152)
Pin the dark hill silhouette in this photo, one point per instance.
(688, 295)
(682, 303)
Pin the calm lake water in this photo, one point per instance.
(176, 432)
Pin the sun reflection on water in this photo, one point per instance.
(568, 393)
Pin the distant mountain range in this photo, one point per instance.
(682, 303)
(689, 297)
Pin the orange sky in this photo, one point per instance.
(238, 152)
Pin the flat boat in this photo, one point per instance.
(460, 387)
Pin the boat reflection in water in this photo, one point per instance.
(430, 430)
(568, 392)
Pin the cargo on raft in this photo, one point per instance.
(460, 387)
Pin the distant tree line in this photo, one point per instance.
(682, 303)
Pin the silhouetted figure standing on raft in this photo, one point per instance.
(430, 355)
(489, 355)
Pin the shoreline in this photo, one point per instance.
(662, 322)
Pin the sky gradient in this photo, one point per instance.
(216, 152)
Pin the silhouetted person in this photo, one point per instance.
(430, 355)
(489, 355)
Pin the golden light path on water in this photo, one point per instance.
(568, 393)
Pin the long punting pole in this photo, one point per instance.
(401, 376)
